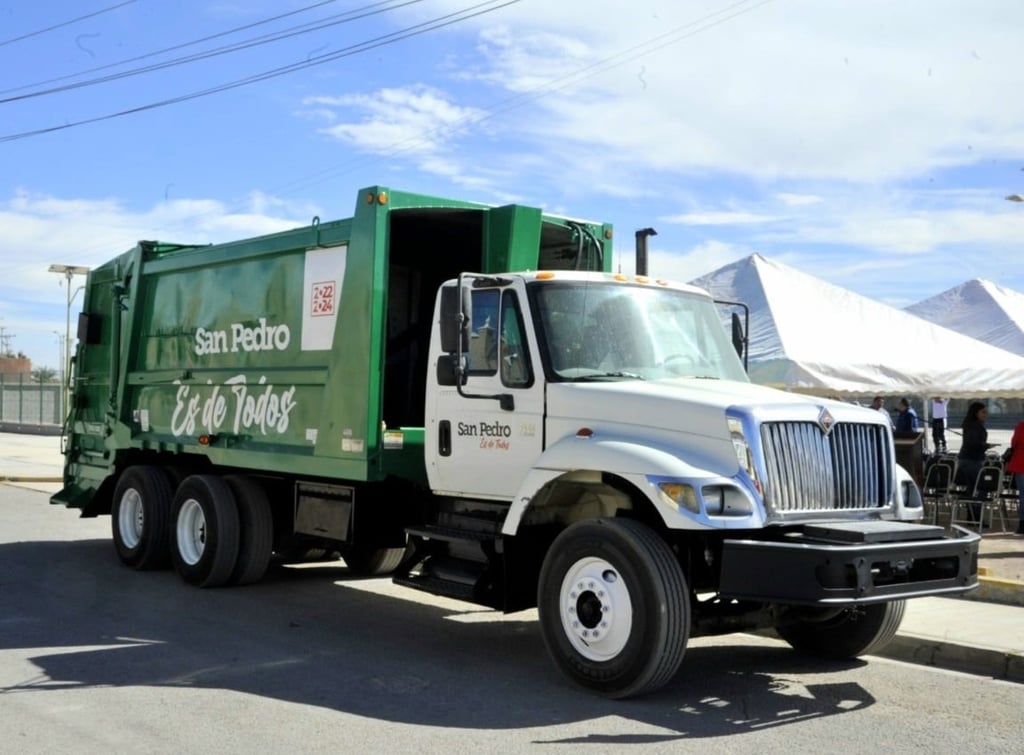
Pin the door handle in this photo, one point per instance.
(444, 437)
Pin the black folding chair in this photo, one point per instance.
(984, 500)
(937, 490)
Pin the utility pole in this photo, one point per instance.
(5, 342)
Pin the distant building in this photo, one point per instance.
(15, 365)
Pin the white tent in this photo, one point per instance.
(979, 309)
(811, 336)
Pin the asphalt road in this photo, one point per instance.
(97, 658)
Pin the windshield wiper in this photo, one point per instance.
(606, 375)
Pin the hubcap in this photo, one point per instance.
(596, 611)
(191, 532)
(130, 518)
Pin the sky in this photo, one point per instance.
(871, 144)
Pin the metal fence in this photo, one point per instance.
(28, 406)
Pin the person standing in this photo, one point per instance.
(971, 457)
(906, 417)
(1015, 466)
(878, 404)
(939, 423)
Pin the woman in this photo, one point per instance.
(971, 456)
(1015, 466)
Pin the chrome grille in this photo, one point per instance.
(807, 470)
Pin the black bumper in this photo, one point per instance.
(850, 563)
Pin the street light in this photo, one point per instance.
(68, 271)
(60, 370)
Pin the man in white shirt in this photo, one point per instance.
(878, 403)
(939, 423)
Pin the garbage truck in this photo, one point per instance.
(468, 398)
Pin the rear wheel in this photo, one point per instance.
(854, 631)
(139, 517)
(206, 531)
(614, 607)
(255, 530)
(371, 562)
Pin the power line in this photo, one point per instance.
(190, 43)
(294, 31)
(66, 23)
(415, 30)
(620, 58)
(648, 47)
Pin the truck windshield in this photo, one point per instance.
(615, 331)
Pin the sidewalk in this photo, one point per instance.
(982, 633)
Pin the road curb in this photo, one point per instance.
(30, 478)
(929, 651)
(1008, 592)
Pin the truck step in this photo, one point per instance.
(435, 586)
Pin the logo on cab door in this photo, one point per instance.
(492, 435)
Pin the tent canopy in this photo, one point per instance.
(810, 336)
(979, 309)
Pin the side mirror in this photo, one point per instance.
(738, 337)
(455, 319)
(448, 372)
(449, 321)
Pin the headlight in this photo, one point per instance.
(678, 494)
(725, 500)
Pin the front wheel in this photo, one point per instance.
(854, 631)
(614, 607)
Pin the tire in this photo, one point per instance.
(140, 518)
(255, 530)
(614, 607)
(206, 531)
(300, 554)
(856, 631)
(371, 562)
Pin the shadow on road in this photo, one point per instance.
(315, 636)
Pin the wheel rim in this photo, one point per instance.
(596, 610)
(191, 532)
(130, 518)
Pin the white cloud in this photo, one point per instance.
(42, 229)
(790, 199)
(791, 89)
(721, 217)
(415, 119)
(683, 266)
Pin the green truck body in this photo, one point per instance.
(467, 397)
(296, 352)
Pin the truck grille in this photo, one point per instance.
(807, 470)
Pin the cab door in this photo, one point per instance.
(483, 439)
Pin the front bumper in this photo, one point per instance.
(849, 563)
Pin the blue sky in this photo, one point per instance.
(867, 143)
